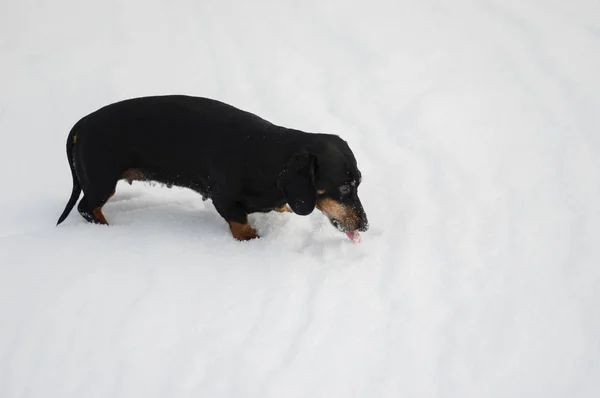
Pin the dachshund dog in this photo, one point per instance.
(242, 162)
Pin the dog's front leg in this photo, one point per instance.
(237, 219)
(242, 231)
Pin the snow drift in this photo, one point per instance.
(475, 126)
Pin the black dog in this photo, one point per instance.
(245, 164)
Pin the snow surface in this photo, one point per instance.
(476, 127)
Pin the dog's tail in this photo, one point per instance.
(71, 139)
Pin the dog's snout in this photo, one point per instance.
(363, 222)
(363, 225)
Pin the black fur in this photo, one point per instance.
(244, 163)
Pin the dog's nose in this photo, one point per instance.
(363, 225)
(361, 217)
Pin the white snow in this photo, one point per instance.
(476, 127)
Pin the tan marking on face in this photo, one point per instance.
(242, 231)
(320, 191)
(99, 216)
(132, 175)
(343, 214)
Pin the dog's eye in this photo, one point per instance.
(345, 189)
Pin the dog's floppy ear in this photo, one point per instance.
(296, 183)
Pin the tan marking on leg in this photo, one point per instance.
(99, 216)
(242, 231)
(343, 214)
(284, 209)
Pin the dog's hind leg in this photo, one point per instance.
(90, 206)
(85, 211)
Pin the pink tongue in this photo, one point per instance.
(353, 236)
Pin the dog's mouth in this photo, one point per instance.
(337, 225)
(347, 219)
(343, 228)
(353, 234)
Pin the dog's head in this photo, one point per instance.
(325, 175)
